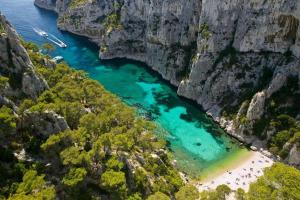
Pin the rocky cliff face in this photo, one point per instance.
(162, 34)
(20, 80)
(15, 63)
(44, 124)
(219, 53)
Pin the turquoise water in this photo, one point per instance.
(196, 142)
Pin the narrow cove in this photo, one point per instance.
(196, 142)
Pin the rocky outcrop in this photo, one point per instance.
(23, 81)
(256, 107)
(19, 80)
(46, 4)
(294, 156)
(16, 65)
(43, 124)
(276, 84)
(162, 34)
(218, 53)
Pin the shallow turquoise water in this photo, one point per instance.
(197, 143)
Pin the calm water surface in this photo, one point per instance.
(196, 142)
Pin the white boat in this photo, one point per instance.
(40, 32)
(57, 59)
(63, 45)
(44, 34)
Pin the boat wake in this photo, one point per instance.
(50, 37)
(60, 43)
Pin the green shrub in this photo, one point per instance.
(3, 82)
(112, 22)
(219, 193)
(114, 182)
(114, 164)
(33, 186)
(74, 177)
(77, 3)
(158, 196)
(204, 31)
(2, 29)
(278, 182)
(187, 192)
(7, 121)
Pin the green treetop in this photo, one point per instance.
(279, 182)
(187, 192)
(158, 196)
(33, 187)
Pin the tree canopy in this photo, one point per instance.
(34, 187)
(278, 182)
(107, 149)
(187, 192)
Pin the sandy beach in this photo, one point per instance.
(240, 176)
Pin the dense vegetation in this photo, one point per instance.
(280, 118)
(279, 182)
(279, 125)
(107, 150)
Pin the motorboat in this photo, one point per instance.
(50, 37)
(57, 59)
(40, 32)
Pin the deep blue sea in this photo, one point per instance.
(195, 141)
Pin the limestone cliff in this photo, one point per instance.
(219, 53)
(20, 80)
(16, 65)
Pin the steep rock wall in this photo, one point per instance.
(16, 65)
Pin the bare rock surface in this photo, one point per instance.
(16, 63)
(43, 123)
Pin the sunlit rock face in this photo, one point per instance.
(207, 48)
(163, 34)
